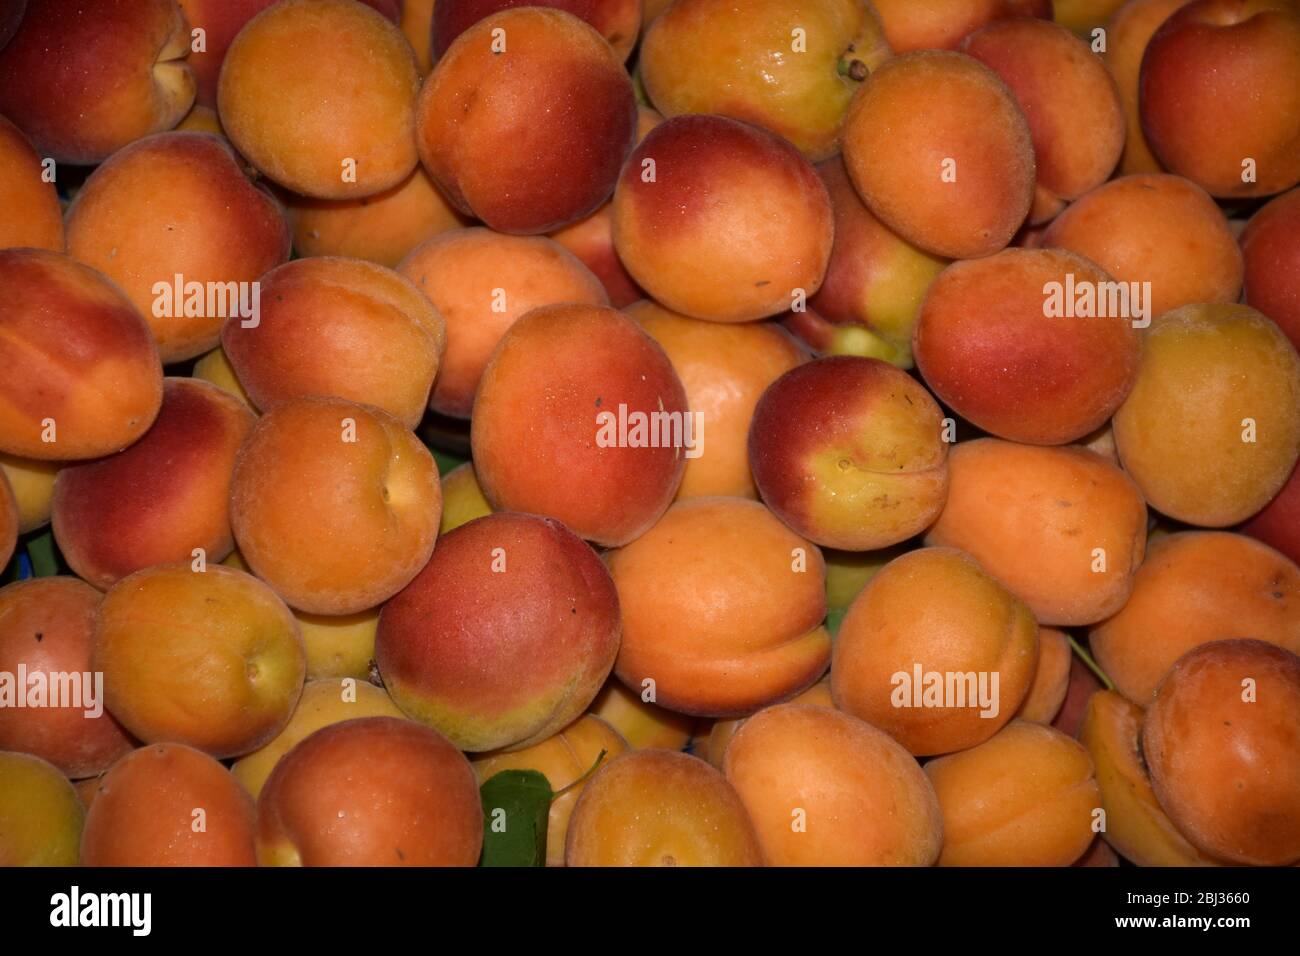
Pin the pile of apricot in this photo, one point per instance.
(805, 432)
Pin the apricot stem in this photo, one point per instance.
(1091, 664)
(854, 69)
(590, 770)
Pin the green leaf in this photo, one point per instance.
(44, 557)
(516, 807)
(446, 462)
(834, 618)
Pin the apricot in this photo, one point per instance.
(826, 789)
(1222, 741)
(1136, 826)
(1046, 694)
(85, 386)
(1193, 588)
(1075, 118)
(381, 228)
(660, 808)
(722, 609)
(564, 759)
(335, 505)
(849, 453)
(1270, 246)
(481, 282)
(947, 183)
(641, 723)
(618, 21)
(591, 240)
(1083, 684)
(1211, 429)
(339, 645)
(1128, 31)
(715, 56)
(1173, 236)
(178, 204)
(83, 80)
(8, 521)
(462, 498)
(373, 791)
(1277, 525)
(1027, 796)
(521, 591)
(319, 95)
(33, 217)
(1218, 97)
(169, 805)
(553, 118)
(161, 500)
(343, 328)
(713, 744)
(417, 22)
(211, 659)
(40, 814)
(31, 482)
(1011, 346)
(323, 702)
(46, 629)
(875, 281)
(215, 368)
(941, 24)
(1062, 528)
(976, 651)
(587, 376)
(724, 369)
(721, 220)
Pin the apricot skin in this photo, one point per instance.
(41, 817)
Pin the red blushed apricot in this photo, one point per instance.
(875, 280)
(660, 808)
(46, 627)
(941, 24)
(343, 328)
(146, 812)
(592, 241)
(41, 816)
(826, 789)
(1063, 528)
(481, 282)
(849, 453)
(1222, 740)
(1194, 588)
(1218, 96)
(530, 135)
(722, 220)
(618, 21)
(1073, 108)
(724, 369)
(1032, 345)
(83, 80)
(10, 17)
(319, 95)
(33, 217)
(1025, 797)
(375, 791)
(579, 390)
(1270, 245)
(941, 153)
(1278, 524)
(82, 375)
(1128, 32)
(1211, 429)
(335, 505)
(162, 498)
(1051, 678)
(221, 21)
(722, 609)
(1155, 228)
(898, 650)
(212, 658)
(523, 592)
(178, 204)
(381, 228)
